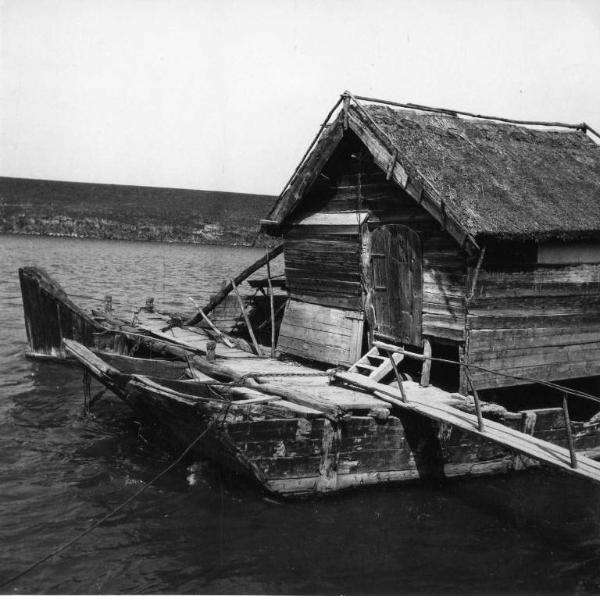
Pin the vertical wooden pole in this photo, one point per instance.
(272, 304)
(398, 377)
(477, 402)
(211, 348)
(246, 319)
(569, 432)
(426, 370)
(346, 107)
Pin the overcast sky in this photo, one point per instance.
(226, 95)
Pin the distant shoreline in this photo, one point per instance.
(261, 242)
(133, 213)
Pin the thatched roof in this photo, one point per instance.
(502, 179)
(478, 177)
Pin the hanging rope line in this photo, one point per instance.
(98, 523)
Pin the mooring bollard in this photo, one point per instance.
(211, 348)
(150, 304)
(108, 303)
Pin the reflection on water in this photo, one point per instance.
(59, 471)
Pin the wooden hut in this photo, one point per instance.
(469, 237)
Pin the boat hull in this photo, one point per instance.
(298, 456)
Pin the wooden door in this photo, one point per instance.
(397, 282)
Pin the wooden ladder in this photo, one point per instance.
(375, 364)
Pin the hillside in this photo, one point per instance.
(118, 212)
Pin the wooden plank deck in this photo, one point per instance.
(245, 363)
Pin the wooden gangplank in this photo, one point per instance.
(439, 410)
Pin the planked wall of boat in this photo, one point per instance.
(473, 238)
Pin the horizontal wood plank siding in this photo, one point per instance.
(324, 263)
(322, 268)
(539, 321)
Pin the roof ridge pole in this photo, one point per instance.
(587, 128)
(450, 112)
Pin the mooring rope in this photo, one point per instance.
(98, 523)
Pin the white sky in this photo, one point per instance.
(226, 95)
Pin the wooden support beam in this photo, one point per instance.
(272, 305)
(216, 331)
(426, 369)
(572, 453)
(345, 108)
(393, 161)
(476, 274)
(398, 377)
(477, 402)
(220, 296)
(246, 319)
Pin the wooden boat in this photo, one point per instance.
(395, 269)
(296, 450)
(292, 428)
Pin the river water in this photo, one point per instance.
(195, 531)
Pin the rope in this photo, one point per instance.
(98, 523)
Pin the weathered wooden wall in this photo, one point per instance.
(321, 333)
(323, 261)
(329, 265)
(534, 320)
(322, 265)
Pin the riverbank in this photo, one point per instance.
(117, 212)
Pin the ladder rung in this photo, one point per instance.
(365, 366)
(376, 357)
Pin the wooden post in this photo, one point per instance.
(149, 304)
(346, 107)
(108, 303)
(476, 275)
(272, 305)
(398, 378)
(569, 432)
(426, 370)
(211, 348)
(246, 319)
(390, 169)
(477, 402)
